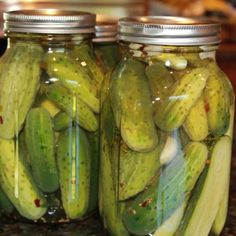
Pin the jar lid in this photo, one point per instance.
(49, 21)
(169, 30)
(106, 31)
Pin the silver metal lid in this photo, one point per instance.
(106, 32)
(169, 30)
(49, 21)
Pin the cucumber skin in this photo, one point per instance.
(21, 188)
(110, 208)
(175, 108)
(218, 98)
(19, 84)
(200, 216)
(73, 76)
(39, 139)
(155, 205)
(74, 161)
(132, 106)
(72, 106)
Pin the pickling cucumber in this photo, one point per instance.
(17, 182)
(181, 98)
(73, 76)
(196, 124)
(72, 106)
(209, 192)
(131, 99)
(19, 84)
(39, 139)
(74, 161)
(217, 96)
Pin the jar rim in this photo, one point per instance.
(49, 21)
(169, 30)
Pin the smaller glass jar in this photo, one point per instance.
(49, 109)
(105, 44)
(167, 118)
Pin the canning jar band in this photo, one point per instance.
(169, 30)
(49, 21)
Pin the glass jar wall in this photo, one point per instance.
(105, 44)
(166, 131)
(49, 108)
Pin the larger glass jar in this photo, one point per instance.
(167, 118)
(49, 108)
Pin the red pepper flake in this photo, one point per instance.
(1, 120)
(207, 107)
(37, 202)
(146, 203)
(208, 162)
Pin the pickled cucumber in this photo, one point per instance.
(136, 169)
(110, 208)
(18, 184)
(171, 60)
(196, 124)
(217, 96)
(74, 161)
(209, 192)
(73, 76)
(182, 97)
(39, 139)
(19, 83)
(83, 53)
(168, 191)
(132, 102)
(73, 106)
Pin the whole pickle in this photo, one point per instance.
(196, 124)
(182, 97)
(83, 53)
(74, 160)
(19, 83)
(72, 75)
(39, 139)
(218, 98)
(131, 99)
(73, 106)
(110, 208)
(17, 182)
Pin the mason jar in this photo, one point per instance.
(49, 108)
(105, 44)
(166, 131)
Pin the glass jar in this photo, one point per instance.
(49, 109)
(105, 44)
(166, 131)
